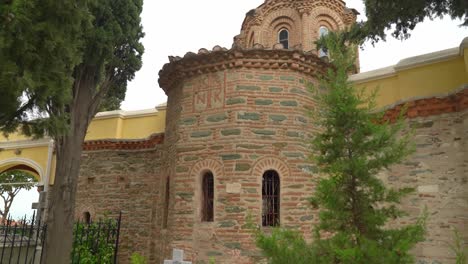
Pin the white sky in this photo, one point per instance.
(177, 26)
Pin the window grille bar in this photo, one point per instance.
(270, 198)
(208, 197)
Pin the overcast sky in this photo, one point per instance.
(177, 26)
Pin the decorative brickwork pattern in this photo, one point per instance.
(270, 163)
(192, 65)
(303, 18)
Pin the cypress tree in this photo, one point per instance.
(355, 145)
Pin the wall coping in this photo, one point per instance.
(128, 114)
(411, 62)
(25, 143)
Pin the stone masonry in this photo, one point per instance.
(242, 111)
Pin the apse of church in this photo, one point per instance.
(239, 115)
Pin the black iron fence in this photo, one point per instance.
(22, 241)
(94, 242)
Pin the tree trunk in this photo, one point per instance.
(61, 206)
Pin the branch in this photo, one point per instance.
(9, 119)
(105, 86)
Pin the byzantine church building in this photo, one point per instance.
(230, 147)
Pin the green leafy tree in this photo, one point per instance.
(11, 183)
(136, 258)
(61, 62)
(402, 16)
(355, 206)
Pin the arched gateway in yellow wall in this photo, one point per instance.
(18, 152)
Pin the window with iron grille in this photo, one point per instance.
(208, 197)
(270, 198)
(283, 38)
(166, 203)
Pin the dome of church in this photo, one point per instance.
(294, 24)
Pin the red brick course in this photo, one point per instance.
(430, 106)
(124, 144)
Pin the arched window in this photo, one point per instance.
(87, 218)
(283, 38)
(208, 197)
(323, 31)
(270, 198)
(252, 40)
(166, 203)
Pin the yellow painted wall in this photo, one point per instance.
(13, 137)
(424, 81)
(127, 127)
(38, 155)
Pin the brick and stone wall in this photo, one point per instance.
(251, 131)
(113, 181)
(438, 171)
(241, 112)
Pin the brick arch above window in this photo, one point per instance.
(271, 163)
(325, 14)
(216, 167)
(291, 14)
(82, 209)
(198, 172)
(289, 19)
(325, 24)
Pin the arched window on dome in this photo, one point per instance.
(283, 38)
(270, 198)
(323, 31)
(207, 197)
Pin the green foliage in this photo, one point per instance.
(354, 145)
(11, 183)
(402, 16)
(286, 246)
(40, 44)
(91, 243)
(60, 63)
(137, 259)
(458, 248)
(55, 53)
(212, 260)
(15, 180)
